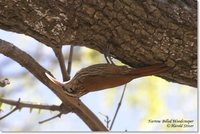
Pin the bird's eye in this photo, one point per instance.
(70, 90)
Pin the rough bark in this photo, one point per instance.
(137, 32)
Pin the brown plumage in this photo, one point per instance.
(103, 76)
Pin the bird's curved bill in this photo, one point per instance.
(54, 80)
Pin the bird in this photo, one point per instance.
(102, 76)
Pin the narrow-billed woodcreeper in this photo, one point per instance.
(102, 76)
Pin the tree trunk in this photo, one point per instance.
(137, 32)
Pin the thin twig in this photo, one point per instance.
(61, 60)
(8, 113)
(27, 105)
(107, 120)
(58, 115)
(119, 104)
(70, 60)
(16, 107)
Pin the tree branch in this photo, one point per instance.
(61, 60)
(29, 105)
(70, 60)
(58, 115)
(38, 71)
(16, 107)
(119, 104)
(138, 33)
(107, 120)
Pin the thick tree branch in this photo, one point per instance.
(138, 33)
(38, 71)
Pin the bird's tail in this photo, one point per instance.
(150, 70)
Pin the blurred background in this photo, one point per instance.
(145, 99)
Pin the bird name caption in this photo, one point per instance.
(174, 123)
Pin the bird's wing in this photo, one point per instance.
(102, 69)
